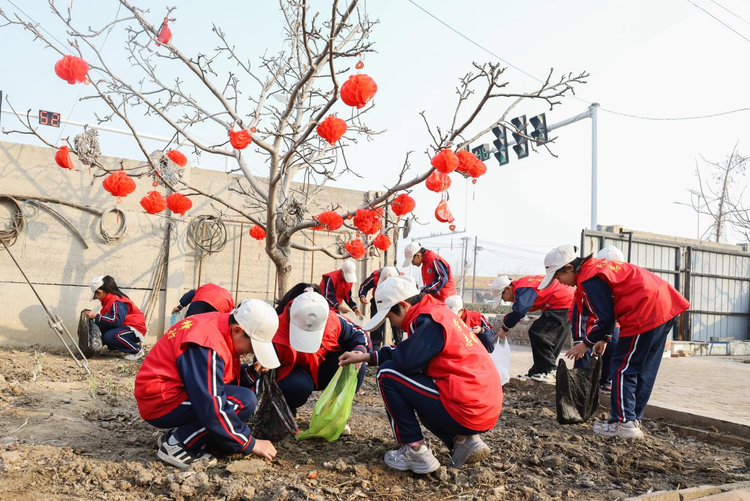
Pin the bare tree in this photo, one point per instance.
(281, 100)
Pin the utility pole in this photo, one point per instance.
(463, 264)
(474, 279)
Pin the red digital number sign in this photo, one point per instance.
(49, 118)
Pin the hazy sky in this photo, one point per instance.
(655, 59)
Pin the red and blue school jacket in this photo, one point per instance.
(612, 291)
(437, 277)
(370, 282)
(118, 311)
(337, 290)
(475, 319)
(218, 297)
(526, 298)
(443, 347)
(193, 361)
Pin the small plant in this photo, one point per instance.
(37, 370)
(92, 387)
(111, 387)
(124, 368)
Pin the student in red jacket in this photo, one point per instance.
(436, 272)
(474, 320)
(440, 375)
(548, 333)
(336, 287)
(189, 383)
(206, 299)
(122, 324)
(371, 283)
(646, 308)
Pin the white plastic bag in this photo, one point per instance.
(501, 358)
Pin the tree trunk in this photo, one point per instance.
(283, 262)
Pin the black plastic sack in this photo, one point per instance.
(272, 420)
(89, 336)
(577, 392)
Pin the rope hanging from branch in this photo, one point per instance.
(207, 233)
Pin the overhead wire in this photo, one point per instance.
(732, 12)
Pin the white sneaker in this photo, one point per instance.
(468, 449)
(544, 377)
(625, 429)
(135, 356)
(178, 455)
(405, 458)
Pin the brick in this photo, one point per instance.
(698, 492)
(658, 496)
(734, 486)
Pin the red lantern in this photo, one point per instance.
(445, 161)
(153, 203)
(403, 204)
(62, 158)
(452, 227)
(376, 225)
(382, 242)
(177, 157)
(119, 184)
(240, 139)
(329, 220)
(355, 248)
(179, 203)
(358, 90)
(331, 129)
(72, 69)
(257, 232)
(165, 34)
(437, 181)
(367, 221)
(443, 213)
(466, 161)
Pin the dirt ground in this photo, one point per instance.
(64, 435)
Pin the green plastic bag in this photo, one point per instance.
(332, 411)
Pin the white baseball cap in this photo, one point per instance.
(389, 294)
(308, 316)
(409, 252)
(96, 284)
(611, 253)
(497, 288)
(350, 271)
(454, 303)
(387, 272)
(260, 323)
(556, 259)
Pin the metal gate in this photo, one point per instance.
(715, 279)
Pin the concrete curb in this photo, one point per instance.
(703, 491)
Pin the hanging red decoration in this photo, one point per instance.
(165, 34)
(72, 69)
(452, 227)
(253, 129)
(331, 129)
(382, 242)
(359, 65)
(403, 204)
(445, 161)
(119, 184)
(358, 90)
(177, 157)
(329, 220)
(257, 232)
(62, 158)
(443, 213)
(355, 248)
(179, 203)
(367, 221)
(437, 181)
(154, 202)
(376, 225)
(240, 139)
(466, 161)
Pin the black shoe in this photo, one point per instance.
(178, 455)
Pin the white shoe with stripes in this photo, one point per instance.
(405, 458)
(178, 455)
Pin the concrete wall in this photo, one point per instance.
(60, 267)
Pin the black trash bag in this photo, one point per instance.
(577, 392)
(272, 420)
(89, 336)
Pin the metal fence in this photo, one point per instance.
(715, 279)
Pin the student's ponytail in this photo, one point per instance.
(110, 287)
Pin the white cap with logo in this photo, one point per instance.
(308, 316)
(611, 253)
(260, 323)
(454, 303)
(409, 252)
(556, 259)
(387, 272)
(390, 293)
(350, 271)
(497, 288)
(96, 284)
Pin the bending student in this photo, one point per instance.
(206, 299)
(436, 272)
(337, 289)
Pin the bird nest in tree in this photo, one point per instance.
(163, 170)
(87, 146)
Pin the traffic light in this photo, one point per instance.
(540, 133)
(522, 144)
(501, 143)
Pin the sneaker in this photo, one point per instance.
(625, 429)
(135, 356)
(544, 377)
(178, 455)
(605, 389)
(163, 438)
(347, 431)
(468, 449)
(405, 458)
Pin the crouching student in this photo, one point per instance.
(207, 298)
(122, 324)
(645, 306)
(189, 383)
(440, 375)
(474, 320)
(337, 289)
